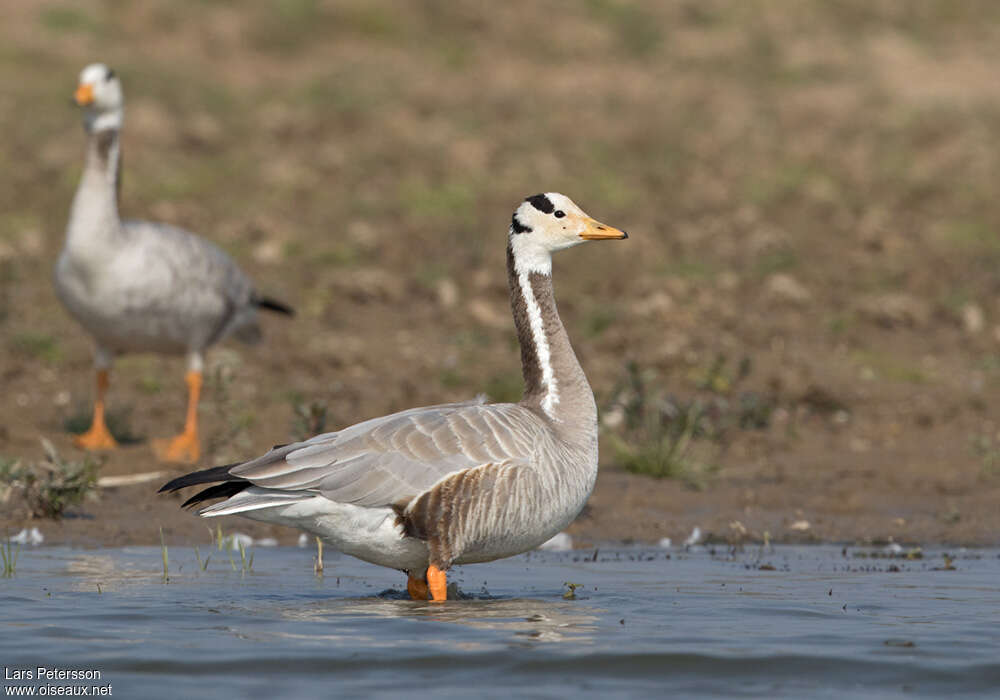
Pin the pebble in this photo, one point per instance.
(783, 287)
(896, 309)
(973, 319)
(33, 537)
(694, 538)
(447, 293)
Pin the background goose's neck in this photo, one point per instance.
(554, 382)
(94, 215)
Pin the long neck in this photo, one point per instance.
(93, 219)
(554, 382)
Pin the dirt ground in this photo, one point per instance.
(809, 189)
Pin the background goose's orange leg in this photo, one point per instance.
(417, 588)
(437, 581)
(184, 447)
(98, 437)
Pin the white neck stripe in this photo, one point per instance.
(542, 351)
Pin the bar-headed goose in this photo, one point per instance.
(430, 487)
(138, 286)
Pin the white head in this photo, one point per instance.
(100, 94)
(545, 223)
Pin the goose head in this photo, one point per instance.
(99, 93)
(545, 223)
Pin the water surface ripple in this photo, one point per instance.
(788, 622)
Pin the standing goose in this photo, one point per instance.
(458, 483)
(138, 286)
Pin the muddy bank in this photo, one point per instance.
(797, 203)
(781, 500)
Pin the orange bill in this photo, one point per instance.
(84, 94)
(596, 231)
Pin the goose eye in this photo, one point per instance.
(559, 213)
(110, 74)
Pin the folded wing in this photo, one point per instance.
(388, 461)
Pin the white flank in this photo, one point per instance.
(541, 345)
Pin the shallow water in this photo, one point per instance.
(823, 622)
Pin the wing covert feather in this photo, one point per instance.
(390, 460)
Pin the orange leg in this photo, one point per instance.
(98, 437)
(184, 447)
(437, 581)
(417, 588)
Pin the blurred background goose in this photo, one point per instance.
(138, 286)
(459, 483)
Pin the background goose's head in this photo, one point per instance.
(99, 92)
(545, 223)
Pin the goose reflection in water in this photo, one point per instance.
(528, 621)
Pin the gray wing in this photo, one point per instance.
(192, 259)
(390, 460)
(187, 275)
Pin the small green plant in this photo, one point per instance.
(228, 543)
(718, 378)
(202, 565)
(150, 385)
(9, 553)
(663, 436)
(49, 486)
(658, 433)
(246, 564)
(664, 449)
(570, 593)
(36, 345)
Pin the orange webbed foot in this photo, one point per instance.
(437, 581)
(97, 438)
(183, 448)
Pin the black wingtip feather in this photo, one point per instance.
(275, 305)
(205, 476)
(223, 490)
